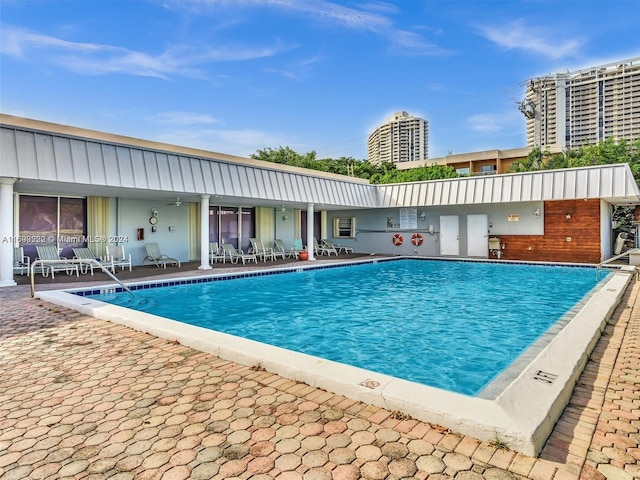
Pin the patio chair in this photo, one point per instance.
(158, 258)
(215, 253)
(117, 257)
(85, 253)
(260, 251)
(266, 252)
(297, 246)
(323, 249)
(21, 263)
(235, 255)
(279, 250)
(50, 253)
(339, 248)
(252, 246)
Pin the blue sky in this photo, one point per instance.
(235, 76)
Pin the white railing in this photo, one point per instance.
(606, 263)
(78, 261)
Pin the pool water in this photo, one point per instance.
(451, 325)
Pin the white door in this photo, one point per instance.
(449, 235)
(478, 235)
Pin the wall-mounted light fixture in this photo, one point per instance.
(284, 213)
(422, 216)
(536, 212)
(154, 212)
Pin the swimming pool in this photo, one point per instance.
(451, 325)
(520, 410)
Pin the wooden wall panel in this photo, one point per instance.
(583, 228)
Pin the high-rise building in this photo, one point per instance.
(403, 138)
(572, 109)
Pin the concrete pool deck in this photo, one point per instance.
(85, 398)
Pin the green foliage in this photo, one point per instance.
(534, 161)
(285, 156)
(604, 153)
(385, 173)
(419, 174)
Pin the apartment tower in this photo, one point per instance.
(403, 138)
(568, 110)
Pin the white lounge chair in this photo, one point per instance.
(260, 251)
(235, 255)
(21, 263)
(117, 257)
(215, 253)
(297, 246)
(279, 250)
(154, 255)
(323, 249)
(85, 253)
(339, 248)
(49, 253)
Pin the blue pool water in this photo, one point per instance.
(451, 325)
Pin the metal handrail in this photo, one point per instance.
(79, 261)
(609, 260)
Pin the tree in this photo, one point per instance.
(535, 161)
(431, 172)
(604, 153)
(285, 156)
(385, 173)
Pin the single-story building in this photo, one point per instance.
(70, 187)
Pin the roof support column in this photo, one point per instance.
(7, 239)
(204, 233)
(310, 246)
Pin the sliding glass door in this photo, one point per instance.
(225, 227)
(59, 221)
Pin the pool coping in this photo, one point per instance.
(522, 416)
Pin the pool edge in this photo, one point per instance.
(523, 416)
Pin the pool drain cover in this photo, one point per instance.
(544, 377)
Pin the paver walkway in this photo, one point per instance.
(84, 398)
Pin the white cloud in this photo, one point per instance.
(541, 41)
(95, 59)
(413, 44)
(16, 42)
(182, 118)
(297, 70)
(232, 142)
(369, 18)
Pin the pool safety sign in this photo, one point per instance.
(408, 218)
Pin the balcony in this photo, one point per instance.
(484, 172)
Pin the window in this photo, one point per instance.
(344, 227)
(57, 221)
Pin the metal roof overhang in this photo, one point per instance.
(613, 183)
(86, 163)
(55, 159)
